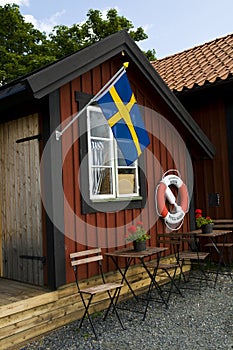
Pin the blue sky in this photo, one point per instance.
(172, 25)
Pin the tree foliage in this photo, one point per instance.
(24, 48)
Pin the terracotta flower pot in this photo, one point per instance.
(139, 246)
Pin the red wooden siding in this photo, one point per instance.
(212, 176)
(157, 160)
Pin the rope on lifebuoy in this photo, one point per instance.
(164, 192)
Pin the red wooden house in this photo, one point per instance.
(201, 78)
(53, 201)
(36, 243)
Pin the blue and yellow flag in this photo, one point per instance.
(121, 110)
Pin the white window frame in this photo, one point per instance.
(112, 165)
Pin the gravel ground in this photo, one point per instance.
(196, 321)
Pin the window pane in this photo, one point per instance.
(102, 181)
(98, 125)
(102, 153)
(127, 181)
(121, 160)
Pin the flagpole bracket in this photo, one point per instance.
(58, 134)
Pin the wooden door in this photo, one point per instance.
(21, 227)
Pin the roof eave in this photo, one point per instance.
(207, 85)
(52, 77)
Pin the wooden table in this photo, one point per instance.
(129, 254)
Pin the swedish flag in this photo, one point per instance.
(121, 110)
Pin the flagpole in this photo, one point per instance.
(58, 133)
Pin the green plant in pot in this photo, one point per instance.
(138, 235)
(205, 223)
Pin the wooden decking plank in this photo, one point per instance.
(12, 291)
(38, 310)
(30, 303)
(39, 319)
(25, 337)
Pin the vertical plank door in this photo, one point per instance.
(20, 201)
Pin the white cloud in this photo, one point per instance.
(147, 27)
(46, 24)
(17, 2)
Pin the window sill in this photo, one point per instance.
(119, 199)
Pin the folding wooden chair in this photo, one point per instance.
(193, 257)
(87, 294)
(169, 268)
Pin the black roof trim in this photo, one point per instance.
(51, 77)
(12, 90)
(72, 66)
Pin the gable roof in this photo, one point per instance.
(209, 63)
(49, 78)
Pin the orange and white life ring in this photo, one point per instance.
(163, 192)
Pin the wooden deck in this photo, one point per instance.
(13, 291)
(18, 304)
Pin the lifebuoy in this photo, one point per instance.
(163, 192)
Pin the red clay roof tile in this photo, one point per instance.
(202, 64)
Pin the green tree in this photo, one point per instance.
(66, 40)
(151, 55)
(24, 48)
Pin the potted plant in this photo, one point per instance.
(138, 235)
(205, 223)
